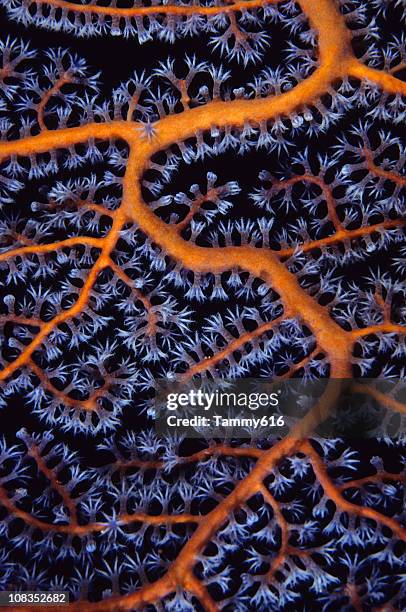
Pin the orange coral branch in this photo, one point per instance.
(386, 174)
(354, 597)
(18, 320)
(230, 348)
(46, 328)
(333, 492)
(190, 583)
(283, 526)
(73, 528)
(297, 366)
(385, 400)
(152, 317)
(181, 568)
(102, 262)
(243, 490)
(263, 264)
(166, 9)
(385, 306)
(335, 55)
(321, 410)
(342, 236)
(218, 449)
(397, 68)
(385, 80)
(48, 248)
(132, 105)
(287, 283)
(380, 477)
(196, 205)
(48, 95)
(96, 207)
(380, 328)
(89, 404)
(53, 479)
(326, 190)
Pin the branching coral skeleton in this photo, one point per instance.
(336, 61)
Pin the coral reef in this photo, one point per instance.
(237, 210)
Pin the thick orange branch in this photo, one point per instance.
(330, 337)
(335, 54)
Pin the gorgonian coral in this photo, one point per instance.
(236, 210)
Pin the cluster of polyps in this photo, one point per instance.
(106, 274)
